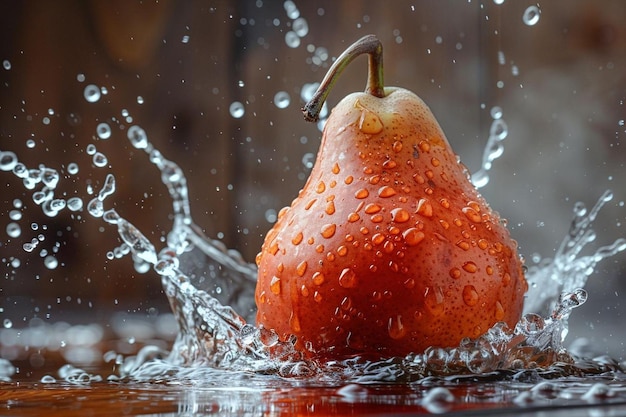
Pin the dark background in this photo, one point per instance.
(562, 94)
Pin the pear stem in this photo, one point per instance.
(368, 44)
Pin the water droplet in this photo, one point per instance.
(304, 291)
(434, 300)
(361, 194)
(531, 15)
(13, 230)
(413, 236)
(95, 207)
(140, 100)
(308, 159)
(480, 178)
(388, 247)
(292, 39)
(424, 208)
(496, 112)
(347, 278)
(369, 122)
(275, 285)
(499, 311)
(50, 262)
(301, 268)
(378, 238)
(470, 267)
(291, 9)
(471, 214)
(138, 137)
(236, 109)
(294, 322)
(8, 160)
(103, 130)
(100, 160)
(470, 295)
(297, 238)
(307, 91)
(6, 64)
(499, 131)
(318, 278)
(72, 168)
(455, 273)
(48, 379)
(328, 230)
(598, 391)
(7, 323)
(92, 93)
(15, 215)
(300, 27)
(353, 217)
(386, 191)
(377, 218)
(330, 208)
(282, 99)
(75, 203)
(396, 328)
(463, 245)
(372, 208)
(400, 215)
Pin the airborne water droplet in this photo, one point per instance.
(137, 137)
(282, 99)
(236, 109)
(496, 112)
(75, 204)
(72, 168)
(100, 160)
(292, 39)
(531, 15)
(8, 160)
(308, 159)
(50, 262)
(92, 93)
(300, 27)
(103, 130)
(13, 230)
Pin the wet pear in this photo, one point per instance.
(388, 249)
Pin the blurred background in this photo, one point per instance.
(556, 69)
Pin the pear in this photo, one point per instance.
(389, 248)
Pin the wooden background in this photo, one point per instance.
(563, 93)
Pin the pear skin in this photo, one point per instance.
(388, 248)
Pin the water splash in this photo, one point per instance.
(494, 148)
(211, 291)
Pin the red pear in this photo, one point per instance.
(389, 248)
